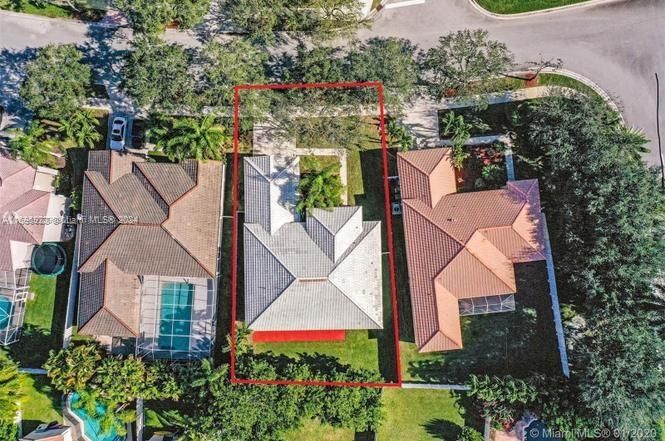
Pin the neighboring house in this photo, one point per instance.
(307, 280)
(27, 197)
(49, 432)
(148, 254)
(461, 247)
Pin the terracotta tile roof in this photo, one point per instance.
(461, 245)
(18, 198)
(170, 228)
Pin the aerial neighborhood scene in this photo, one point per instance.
(332, 220)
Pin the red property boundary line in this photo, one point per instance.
(389, 230)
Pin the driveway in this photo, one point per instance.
(618, 45)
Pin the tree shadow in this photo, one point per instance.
(442, 429)
(13, 65)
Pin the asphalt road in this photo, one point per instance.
(619, 45)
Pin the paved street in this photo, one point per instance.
(618, 45)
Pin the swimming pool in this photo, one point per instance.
(91, 428)
(5, 311)
(175, 324)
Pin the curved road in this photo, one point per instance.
(619, 44)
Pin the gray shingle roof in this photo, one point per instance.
(324, 273)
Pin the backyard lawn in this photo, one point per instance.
(44, 321)
(517, 6)
(40, 403)
(424, 415)
(314, 430)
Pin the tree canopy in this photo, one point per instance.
(201, 138)
(152, 16)
(31, 145)
(10, 387)
(463, 62)
(321, 19)
(321, 188)
(56, 82)
(157, 75)
(605, 214)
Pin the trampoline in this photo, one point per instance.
(49, 259)
(5, 312)
(175, 324)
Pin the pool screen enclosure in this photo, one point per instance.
(177, 317)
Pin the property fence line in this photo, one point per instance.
(73, 290)
(556, 311)
(461, 387)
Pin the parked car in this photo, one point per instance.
(118, 129)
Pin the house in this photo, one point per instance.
(462, 247)
(305, 280)
(49, 432)
(27, 200)
(148, 254)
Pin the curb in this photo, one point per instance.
(376, 10)
(581, 5)
(586, 81)
(56, 20)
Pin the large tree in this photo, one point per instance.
(56, 82)
(619, 367)
(31, 145)
(196, 138)
(81, 128)
(157, 75)
(320, 188)
(321, 19)
(152, 16)
(463, 62)
(605, 211)
(390, 61)
(229, 64)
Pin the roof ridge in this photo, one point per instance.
(185, 249)
(295, 279)
(354, 303)
(483, 263)
(411, 163)
(270, 251)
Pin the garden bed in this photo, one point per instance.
(495, 119)
(484, 169)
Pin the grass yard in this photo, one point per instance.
(44, 321)
(517, 6)
(424, 415)
(40, 402)
(552, 79)
(359, 349)
(93, 10)
(315, 430)
(350, 132)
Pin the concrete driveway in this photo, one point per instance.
(619, 45)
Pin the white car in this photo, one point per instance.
(118, 129)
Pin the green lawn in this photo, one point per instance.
(314, 430)
(44, 321)
(358, 350)
(517, 6)
(94, 10)
(424, 415)
(40, 403)
(552, 79)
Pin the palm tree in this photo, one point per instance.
(634, 141)
(322, 188)
(30, 146)
(199, 139)
(10, 386)
(399, 136)
(81, 128)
